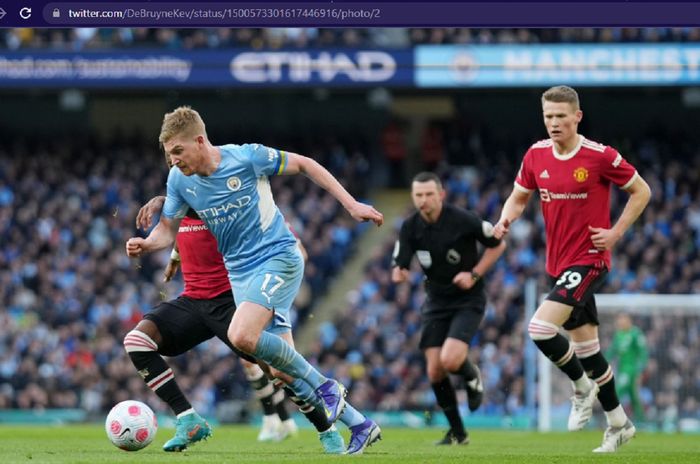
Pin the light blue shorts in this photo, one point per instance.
(274, 284)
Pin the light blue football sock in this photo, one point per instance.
(280, 355)
(304, 392)
(351, 416)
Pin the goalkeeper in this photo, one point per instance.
(629, 347)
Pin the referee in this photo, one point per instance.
(443, 238)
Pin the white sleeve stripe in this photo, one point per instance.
(521, 188)
(631, 181)
(266, 204)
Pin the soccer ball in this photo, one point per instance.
(131, 425)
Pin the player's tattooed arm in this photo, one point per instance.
(144, 218)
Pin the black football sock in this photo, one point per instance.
(263, 389)
(154, 371)
(467, 371)
(315, 415)
(278, 400)
(447, 400)
(600, 371)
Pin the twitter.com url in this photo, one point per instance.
(184, 14)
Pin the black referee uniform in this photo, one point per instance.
(444, 249)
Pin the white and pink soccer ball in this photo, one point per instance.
(131, 425)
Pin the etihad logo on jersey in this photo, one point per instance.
(547, 196)
(304, 67)
(225, 212)
(581, 174)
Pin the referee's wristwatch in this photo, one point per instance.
(476, 276)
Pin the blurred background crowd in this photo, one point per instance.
(188, 39)
(67, 205)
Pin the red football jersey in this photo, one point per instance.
(574, 193)
(201, 263)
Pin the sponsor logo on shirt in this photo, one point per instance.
(193, 228)
(544, 175)
(225, 212)
(546, 195)
(581, 174)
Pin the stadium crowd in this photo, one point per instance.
(273, 38)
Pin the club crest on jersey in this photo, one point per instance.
(233, 184)
(581, 174)
(453, 256)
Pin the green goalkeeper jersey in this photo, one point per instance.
(629, 347)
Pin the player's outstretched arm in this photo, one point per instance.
(640, 193)
(162, 236)
(512, 209)
(359, 211)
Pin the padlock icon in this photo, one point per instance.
(56, 13)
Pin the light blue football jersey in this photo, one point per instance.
(236, 203)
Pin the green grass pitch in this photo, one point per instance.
(236, 444)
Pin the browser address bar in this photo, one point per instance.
(368, 14)
(213, 14)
